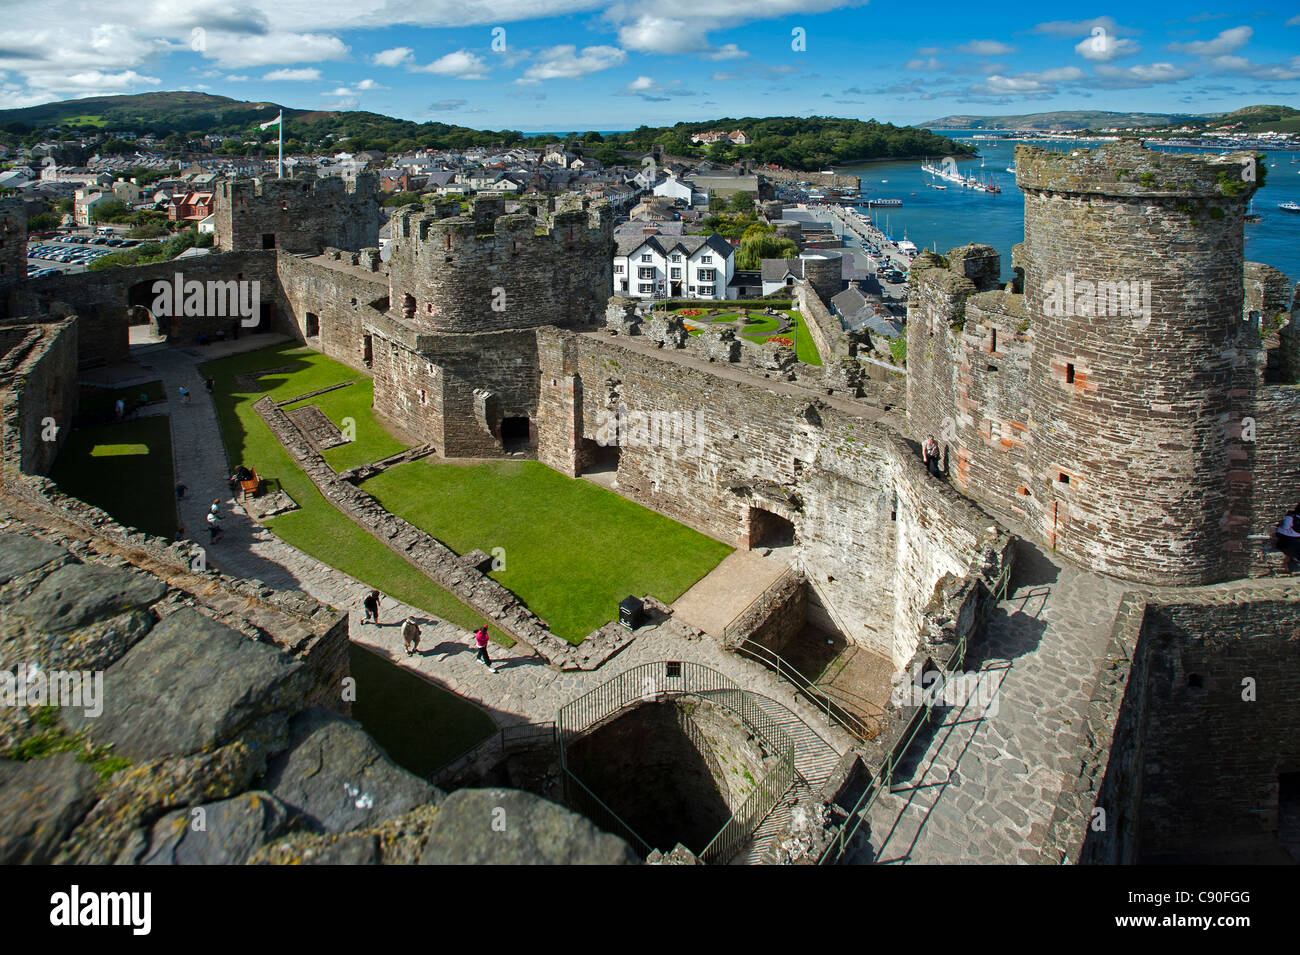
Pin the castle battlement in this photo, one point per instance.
(303, 214)
(489, 271)
(1126, 170)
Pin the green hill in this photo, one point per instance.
(1061, 121)
(796, 142)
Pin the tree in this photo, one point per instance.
(754, 249)
(742, 202)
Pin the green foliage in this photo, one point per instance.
(754, 249)
(111, 210)
(51, 740)
(153, 251)
(1231, 184)
(898, 349)
(811, 142)
(404, 199)
(741, 202)
(44, 220)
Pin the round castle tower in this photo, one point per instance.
(1133, 284)
(489, 271)
(824, 271)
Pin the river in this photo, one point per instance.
(942, 220)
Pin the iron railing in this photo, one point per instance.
(650, 682)
(840, 843)
(835, 711)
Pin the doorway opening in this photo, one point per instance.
(516, 435)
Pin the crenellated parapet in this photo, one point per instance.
(489, 271)
(303, 214)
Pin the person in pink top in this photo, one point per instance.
(481, 641)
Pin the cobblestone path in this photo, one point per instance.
(984, 782)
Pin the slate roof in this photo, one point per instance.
(665, 244)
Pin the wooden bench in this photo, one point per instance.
(250, 486)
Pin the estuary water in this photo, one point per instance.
(942, 220)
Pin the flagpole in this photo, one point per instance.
(279, 163)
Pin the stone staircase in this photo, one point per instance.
(814, 760)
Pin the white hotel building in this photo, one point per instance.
(674, 266)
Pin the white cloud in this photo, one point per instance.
(928, 65)
(1103, 47)
(1082, 27)
(1128, 77)
(462, 65)
(91, 81)
(306, 75)
(640, 83)
(368, 85)
(234, 51)
(986, 48)
(565, 62)
(394, 57)
(1226, 42)
(1241, 66)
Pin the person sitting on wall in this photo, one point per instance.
(930, 452)
(1288, 539)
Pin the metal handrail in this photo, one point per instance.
(780, 580)
(839, 844)
(649, 682)
(834, 711)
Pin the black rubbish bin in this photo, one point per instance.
(631, 612)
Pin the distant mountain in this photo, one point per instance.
(189, 113)
(1064, 121)
(1255, 119)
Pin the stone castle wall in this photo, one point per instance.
(38, 394)
(1191, 727)
(488, 271)
(299, 215)
(1110, 427)
(874, 532)
(13, 242)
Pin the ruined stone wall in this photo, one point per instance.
(342, 300)
(489, 272)
(455, 390)
(1274, 473)
(779, 615)
(38, 394)
(992, 423)
(874, 532)
(1182, 762)
(101, 300)
(13, 242)
(302, 214)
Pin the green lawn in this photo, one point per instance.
(317, 527)
(421, 726)
(126, 469)
(764, 329)
(572, 550)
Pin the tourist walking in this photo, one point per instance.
(411, 635)
(481, 641)
(185, 395)
(1288, 539)
(181, 488)
(216, 507)
(371, 603)
(119, 409)
(930, 451)
(214, 527)
(209, 384)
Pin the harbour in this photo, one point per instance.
(939, 213)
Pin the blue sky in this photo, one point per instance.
(576, 64)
